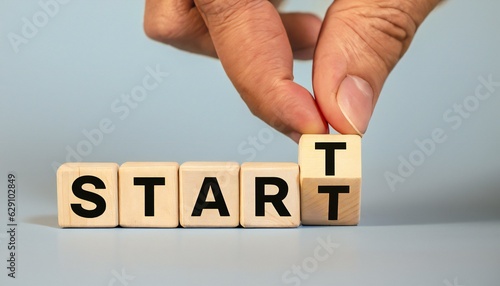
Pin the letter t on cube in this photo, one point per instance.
(149, 194)
(330, 179)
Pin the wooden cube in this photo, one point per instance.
(87, 195)
(209, 194)
(149, 194)
(269, 195)
(330, 179)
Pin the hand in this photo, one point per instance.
(354, 50)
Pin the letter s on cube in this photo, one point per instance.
(87, 195)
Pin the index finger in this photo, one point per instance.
(254, 49)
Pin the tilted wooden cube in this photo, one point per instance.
(87, 194)
(330, 179)
(209, 194)
(269, 195)
(149, 194)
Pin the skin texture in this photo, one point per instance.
(354, 49)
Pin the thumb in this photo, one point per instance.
(360, 43)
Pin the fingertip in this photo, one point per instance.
(295, 136)
(313, 128)
(291, 110)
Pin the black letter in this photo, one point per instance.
(80, 193)
(330, 154)
(201, 202)
(333, 205)
(276, 200)
(149, 195)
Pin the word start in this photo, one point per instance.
(324, 188)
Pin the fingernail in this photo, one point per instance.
(295, 136)
(355, 99)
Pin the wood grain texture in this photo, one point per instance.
(317, 179)
(149, 194)
(253, 179)
(107, 173)
(219, 181)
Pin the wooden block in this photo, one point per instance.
(330, 179)
(87, 195)
(269, 195)
(209, 194)
(149, 194)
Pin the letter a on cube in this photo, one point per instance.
(330, 179)
(87, 195)
(209, 194)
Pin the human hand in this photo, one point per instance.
(354, 50)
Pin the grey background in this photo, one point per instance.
(441, 226)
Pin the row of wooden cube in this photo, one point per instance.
(324, 191)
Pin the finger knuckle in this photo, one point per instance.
(388, 17)
(163, 28)
(216, 7)
(386, 27)
(224, 9)
(395, 20)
